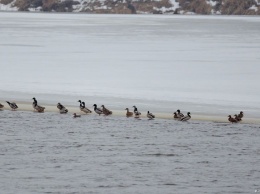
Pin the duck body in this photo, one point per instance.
(106, 111)
(62, 108)
(136, 112)
(97, 110)
(237, 118)
(75, 115)
(240, 115)
(1, 106)
(179, 114)
(128, 113)
(232, 120)
(150, 115)
(83, 108)
(176, 116)
(37, 107)
(186, 118)
(13, 105)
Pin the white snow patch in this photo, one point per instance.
(253, 8)
(164, 9)
(212, 3)
(35, 9)
(175, 4)
(8, 7)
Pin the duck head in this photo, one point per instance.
(95, 105)
(178, 111)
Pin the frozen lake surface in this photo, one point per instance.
(53, 153)
(205, 65)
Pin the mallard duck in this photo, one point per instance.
(37, 107)
(75, 115)
(1, 106)
(62, 108)
(137, 113)
(106, 111)
(187, 117)
(83, 108)
(179, 114)
(128, 114)
(240, 115)
(232, 120)
(237, 118)
(175, 116)
(150, 115)
(97, 110)
(12, 105)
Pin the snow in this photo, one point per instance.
(37, 9)
(211, 2)
(254, 8)
(164, 9)
(8, 7)
(175, 4)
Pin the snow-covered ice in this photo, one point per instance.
(199, 64)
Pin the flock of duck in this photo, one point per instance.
(237, 118)
(103, 110)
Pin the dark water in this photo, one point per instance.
(52, 153)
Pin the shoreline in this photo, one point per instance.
(24, 106)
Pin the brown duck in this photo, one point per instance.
(106, 111)
(232, 120)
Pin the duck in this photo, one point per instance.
(1, 106)
(62, 108)
(128, 113)
(240, 115)
(37, 107)
(137, 113)
(150, 115)
(175, 116)
(106, 111)
(179, 114)
(232, 120)
(13, 105)
(97, 110)
(75, 115)
(237, 118)
(83, 108)
(186, 118)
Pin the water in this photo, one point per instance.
(53, 153)
(202, 64)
